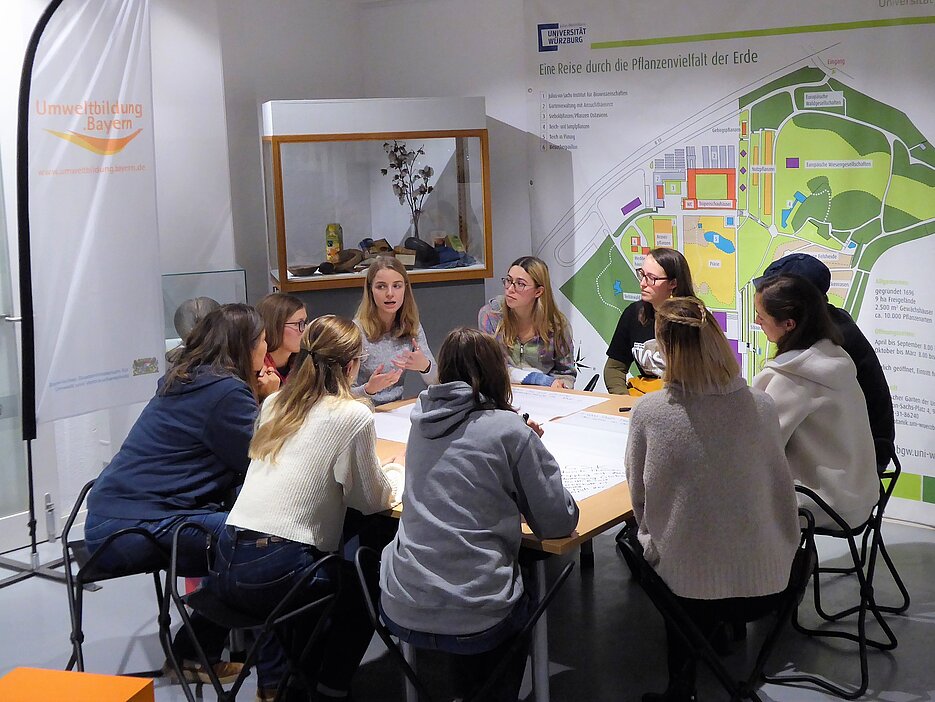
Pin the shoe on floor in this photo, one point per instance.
(193, 672)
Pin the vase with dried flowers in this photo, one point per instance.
(410, 185)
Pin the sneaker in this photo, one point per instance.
(195, 673)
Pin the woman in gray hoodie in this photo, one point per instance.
(474, 470)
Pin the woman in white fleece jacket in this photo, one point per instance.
(822, 411)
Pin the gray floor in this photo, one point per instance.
(606, 640)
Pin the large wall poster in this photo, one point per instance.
(738, 135)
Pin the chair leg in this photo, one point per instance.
(164, 618)
(409, 653)
(900, 608)
(77, 633)
(867, 604)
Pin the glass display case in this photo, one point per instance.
(347, 180)
(179, 289)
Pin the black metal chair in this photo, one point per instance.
(75, 552)
(210, 605)
(888, 480)
(863, 569)
(673, 612)
(367, 562)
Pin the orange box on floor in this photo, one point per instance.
(38, 685)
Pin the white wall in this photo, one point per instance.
(192, 171)
(416, 48)
(290, 49)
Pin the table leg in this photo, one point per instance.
(587, 554)
(409, 653)
(540, 644)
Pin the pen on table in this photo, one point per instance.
(624, 409)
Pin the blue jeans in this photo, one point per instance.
(476, 655)
(134, 553)
(255, 576)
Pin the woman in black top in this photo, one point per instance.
(664, 274)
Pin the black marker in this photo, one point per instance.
(624, 409)
(525, 416)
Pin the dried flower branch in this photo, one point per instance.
(409, 185)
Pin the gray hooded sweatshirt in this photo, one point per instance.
(471, 474)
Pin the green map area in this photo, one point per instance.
(817, 167)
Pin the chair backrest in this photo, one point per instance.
(76, 551)
(524, 634)
(367, 562)
(667, 603)
(211, 605)
(806, 558)
(890, 475)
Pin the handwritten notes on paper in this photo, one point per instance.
(589, 447)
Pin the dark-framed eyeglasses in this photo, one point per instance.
(300, 325)
(518, 285)
(653, 279)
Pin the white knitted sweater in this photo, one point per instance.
(328, 465)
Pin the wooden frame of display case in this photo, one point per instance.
(351, 280)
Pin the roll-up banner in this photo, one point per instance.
(739, 132)
(92, 204)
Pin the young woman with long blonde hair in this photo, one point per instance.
(535, 335)
(705, 435)
(394, 341)
(313, 457)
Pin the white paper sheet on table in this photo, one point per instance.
(589, 448)
(393, 426)
(543, 405)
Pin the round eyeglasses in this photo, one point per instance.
(518, 285)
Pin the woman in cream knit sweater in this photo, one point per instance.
(313, 456)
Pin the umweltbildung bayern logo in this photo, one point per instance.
(552, 35)
(99, 120)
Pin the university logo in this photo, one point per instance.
(552, 34)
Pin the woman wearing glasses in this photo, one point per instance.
(313, 457)
(535, 334)
(664, 274)
(285, 318)
(394, 341)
